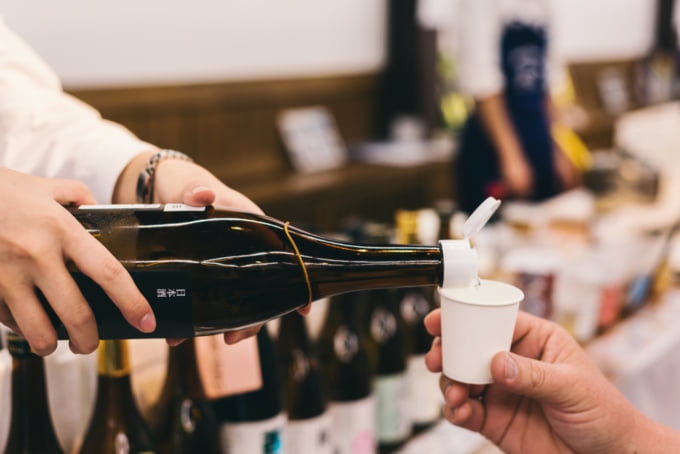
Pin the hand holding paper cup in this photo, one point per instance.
(477, 322)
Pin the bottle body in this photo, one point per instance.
(206, 271)
(417, 227)
(303, 389)
(31, 429)
(116, 425)
(388, 332)
(424, 395)
(182, 420)
(346, 360)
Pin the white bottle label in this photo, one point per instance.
(426, 399)
(353, 426)
(393, 413)
(310, 436)
(260, 437)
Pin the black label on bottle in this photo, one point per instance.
(168, 293)
(345, 344)
(383, 325)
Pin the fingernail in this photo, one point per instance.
(510, 368)
(233, 337)
(173, 342)
(198, 189)
(148, 323)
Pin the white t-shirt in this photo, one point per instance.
(480, 24)
(46, 132)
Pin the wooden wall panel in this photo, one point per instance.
(230, 128)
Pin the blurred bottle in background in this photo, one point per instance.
(304, 393)
(389, 336)
(658, 71)
(419, 227)
(116, 425)
(345, 358)
(31, 430)
(182, 419)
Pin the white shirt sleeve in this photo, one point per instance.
(46, 132)
(479, 27)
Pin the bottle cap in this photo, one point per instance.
(460, 263)
(480, 217)
(461, 266)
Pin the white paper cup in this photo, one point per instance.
(477, 323)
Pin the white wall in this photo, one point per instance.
(123, 42)
(605, 29)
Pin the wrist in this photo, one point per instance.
(146, 180)
(126, 185)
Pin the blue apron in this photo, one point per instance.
(523, 60)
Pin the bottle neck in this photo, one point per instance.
(336, 267)
(28, 373)
(293, 334)
(28, 383)
(114, 389)
(113, 359)
(182, 371)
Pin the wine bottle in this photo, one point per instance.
(414, 227)
(206, 271)
(254, 422)
(31, 429)
(390, 339)
(304, 393)
(388, 332)
(116, 425)
(346, 360)
(182, 420)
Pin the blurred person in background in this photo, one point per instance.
(55, 151)
(547, 396)
(507, 60)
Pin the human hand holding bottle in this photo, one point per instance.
(37, 236)
(183, 181)
(547, 396)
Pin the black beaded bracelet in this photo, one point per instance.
(147, 177)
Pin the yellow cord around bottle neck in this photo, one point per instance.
(302, 262)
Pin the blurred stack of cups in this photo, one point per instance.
(533, 270)
(585, 291)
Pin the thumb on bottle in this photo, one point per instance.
(535, 379)
(198, 195)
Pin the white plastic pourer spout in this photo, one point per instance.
(461, 267)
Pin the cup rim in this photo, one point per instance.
(464, 295)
